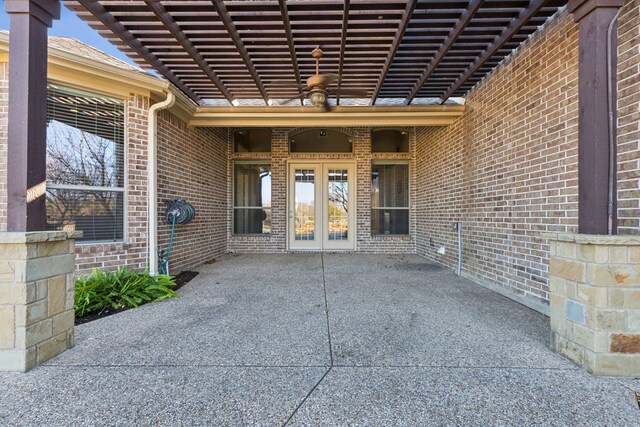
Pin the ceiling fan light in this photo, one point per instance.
(317, 97)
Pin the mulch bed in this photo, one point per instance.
(181, 279)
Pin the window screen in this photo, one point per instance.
(252, 198)
(85, 164)
(389, 198)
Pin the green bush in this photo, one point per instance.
(120, 289)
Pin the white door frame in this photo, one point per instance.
(321, 240)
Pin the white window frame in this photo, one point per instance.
(125, 165)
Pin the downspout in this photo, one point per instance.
(152, 181)
(613, 161)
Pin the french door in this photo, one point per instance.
(321, 206)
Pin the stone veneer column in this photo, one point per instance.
(36, 297)
(594, 286)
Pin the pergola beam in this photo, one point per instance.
(402, 28)
(343, 43)
(516, 24)
(170, 24)
(453, 36)
(116, 27)
(292, 49)
(224, 16)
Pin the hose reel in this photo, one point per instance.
(178, 212)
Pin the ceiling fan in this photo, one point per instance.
(318, 90)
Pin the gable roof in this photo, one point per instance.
(76, 47)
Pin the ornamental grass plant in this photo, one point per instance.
(119, 290)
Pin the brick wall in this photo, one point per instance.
(508, 168)
(629, 119)
(4, 111)
(192, 165)
(277, 241)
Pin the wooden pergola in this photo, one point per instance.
(396, 51)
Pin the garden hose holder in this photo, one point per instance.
(177, 212)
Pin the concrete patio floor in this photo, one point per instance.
(311, 339)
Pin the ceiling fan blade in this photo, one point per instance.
(298, 96)
(329, 78)
(354, 93)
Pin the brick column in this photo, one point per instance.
(595, 301)
(36, 297)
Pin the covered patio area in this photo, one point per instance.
(308, 339)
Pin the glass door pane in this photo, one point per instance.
(304, 204)
(338, 204)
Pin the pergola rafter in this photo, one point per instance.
(406, 17)
(107, 19)
(175, 30)
(343, 43)
(290, 43)
(514, 26)
(223, 13)
(391, 51)
(455, 32)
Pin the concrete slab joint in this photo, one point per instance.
(595, 301)
(36, 297)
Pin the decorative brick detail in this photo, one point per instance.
(595, 317)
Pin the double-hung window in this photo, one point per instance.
(252, 197)
(85, 164)
(389, 197)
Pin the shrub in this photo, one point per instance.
(120, 289)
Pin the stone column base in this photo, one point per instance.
(594, 284)
(36, 297)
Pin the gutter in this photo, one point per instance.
(152, 179)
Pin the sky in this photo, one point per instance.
(69, 25)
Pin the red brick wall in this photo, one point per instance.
(508, 168)
(192, 165)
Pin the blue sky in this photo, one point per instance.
(70, 25)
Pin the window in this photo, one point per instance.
(320, 141)
(389, 198)
(252, 141)
(85, 164)
(252, 198)
(389, 141)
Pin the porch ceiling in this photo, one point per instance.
(397, 51)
